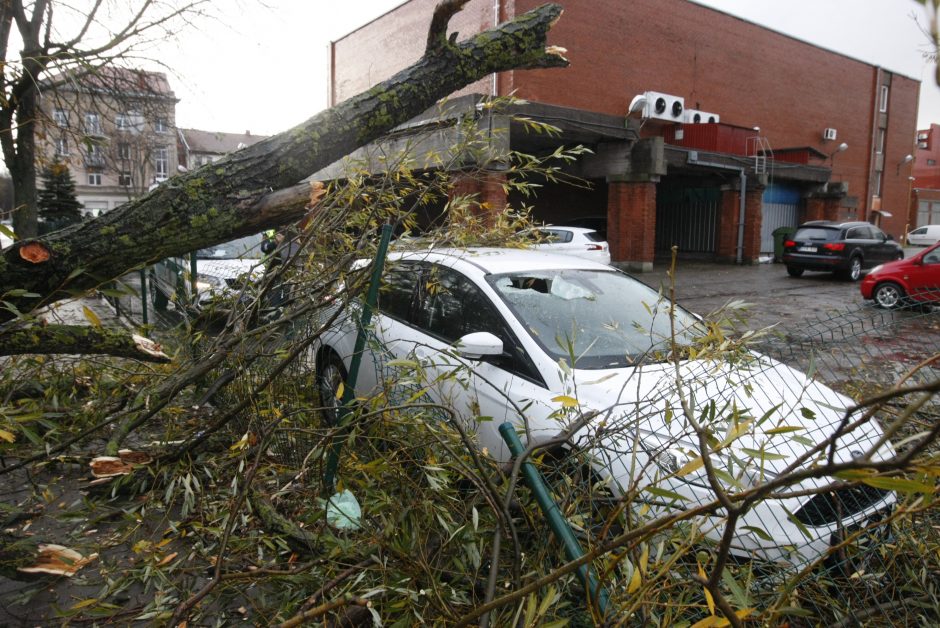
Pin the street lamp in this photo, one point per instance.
(841, 148)
(907, 159)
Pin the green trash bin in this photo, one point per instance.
(780, 236)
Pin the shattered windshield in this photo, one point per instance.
(604, 319)
(248, 247)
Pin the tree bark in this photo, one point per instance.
(232, 197)
(80, 339)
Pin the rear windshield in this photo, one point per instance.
(819, 234)
(593, 236)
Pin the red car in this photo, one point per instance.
(905, 281)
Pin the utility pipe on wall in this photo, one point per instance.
(742, 176)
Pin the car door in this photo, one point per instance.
(925, 277)
(482, 393)
(883, 248)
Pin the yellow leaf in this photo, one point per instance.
(167, 559)
(644, 558)
(91, 316)
(7, 436)
(339, 391)
(709, 622)
(84, 603)
(708, 596)
(736, 431)
(566, 401)
(690, 467)
(635, 581)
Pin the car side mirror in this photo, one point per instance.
(888, 236)
(478, 344)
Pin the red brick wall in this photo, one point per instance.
(485, 188)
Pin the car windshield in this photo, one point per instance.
(248, 247)
(819, 234)
(601, 319)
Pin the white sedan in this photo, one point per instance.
(543, 341)
(577, 241)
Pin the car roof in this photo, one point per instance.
(492, 260)
(835, 225)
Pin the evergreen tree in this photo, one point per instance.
(58, 206)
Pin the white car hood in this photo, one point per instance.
(766, 396)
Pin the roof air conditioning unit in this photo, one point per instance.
(694, 116)
(659, 106)
(829, 134)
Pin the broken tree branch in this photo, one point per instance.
(80, 339)
(233, 197)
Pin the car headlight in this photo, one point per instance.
(731, 472)
(875, 269)
(208, 283)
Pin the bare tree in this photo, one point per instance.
(56, 39)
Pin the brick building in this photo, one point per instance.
(924, 181)
(115, 129)
(799, 132)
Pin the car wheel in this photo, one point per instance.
(330, 377)
(888, 295)
(855, 269)
(157, 297)
(794, 271)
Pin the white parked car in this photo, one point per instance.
(924, 236)
(220, 271)
(577, 241)
(547, 339)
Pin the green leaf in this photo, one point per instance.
(661, 492)
(784, 429)
(763, 455)
(901, 485)
(759, 532)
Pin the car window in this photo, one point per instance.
(821, 234)
(595, 319)
(451, 306)
(933, 257)
(921, 231)
(558, 235)
(396, 296)
(593, 236)
(858, 233)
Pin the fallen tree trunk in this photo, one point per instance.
(233, 197)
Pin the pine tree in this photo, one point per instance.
(58, 206)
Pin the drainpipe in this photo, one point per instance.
(742, 176)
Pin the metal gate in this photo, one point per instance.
(780, 208)
(687, 218)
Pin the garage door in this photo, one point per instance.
(780, 208)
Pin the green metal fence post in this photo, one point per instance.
(372, 296)
(144, 294)
(556, 521)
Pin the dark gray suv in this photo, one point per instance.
(843, 248)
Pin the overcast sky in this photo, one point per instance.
(265, 71)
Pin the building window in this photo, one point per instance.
(884, 99)
(60, 117)
(124, 151)
(95, 156)
(161, 163)
(92, 124)
(125, 179)
(931, 162)
(160, 126)
(876, 184)
(94, 178)
(122, 122)
(880, 147)
(62, 147)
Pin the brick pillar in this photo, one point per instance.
(485, 190)
(753, 216)
(815, 210)
(631, 223)
(727, 230)
(729, 219)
